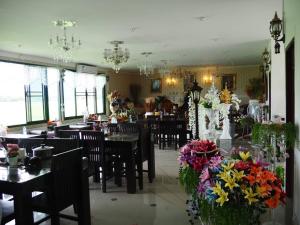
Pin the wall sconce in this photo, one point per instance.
(266, 60)
(276, 26)
(171, 81)
(207, 79)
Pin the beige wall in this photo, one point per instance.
(244, 73)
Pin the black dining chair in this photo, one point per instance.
(72, 134)
(128, 128)
(94, 150)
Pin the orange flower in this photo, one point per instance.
(251, 179)
(264, 190)
(273, 202)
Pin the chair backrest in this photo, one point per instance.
(93, 144)
(59, 144)
(57, 129)
(128, 128)
(66, 168)
(73, 134)
(112, 128)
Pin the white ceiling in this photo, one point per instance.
(233, 32)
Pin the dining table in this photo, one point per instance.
(126, 146)
(20, 183)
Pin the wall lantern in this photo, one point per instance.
(276, 27)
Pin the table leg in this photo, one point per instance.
(130, 172)
(23, 209)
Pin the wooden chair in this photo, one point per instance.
(94, 150)
(72, 134)
(128, 128)
(66, 187)
(57, 129)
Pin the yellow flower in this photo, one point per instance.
(238, 175)
(217, 189)
(224, 175)
(250, 196)
(223, 197)
(244, 156)
(228, 166)
(230, 183)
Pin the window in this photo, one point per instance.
(100, 90)
(37, 93)
(12, 98)
(69, 93)
(53, 77)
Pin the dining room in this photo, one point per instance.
(149, 112)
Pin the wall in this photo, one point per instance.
(244, 73)
(277, 81)
(292, 27)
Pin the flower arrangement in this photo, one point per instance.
(12, 150)
(230, 191)
(229, 98)
(113, 96)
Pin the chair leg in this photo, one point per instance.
(140, 174)
(96, 174)
(103, 179)
(55, 219)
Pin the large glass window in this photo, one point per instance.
(36, 93)
(53, 76)
(12, 98)
(69, 93)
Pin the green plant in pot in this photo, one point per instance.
(255, 89)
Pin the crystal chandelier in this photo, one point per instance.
(164, 69)
(63, 45)
(146, 68)
(116, 56)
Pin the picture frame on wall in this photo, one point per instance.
(228, 80)
(156, 85)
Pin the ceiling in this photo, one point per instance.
(185, 32)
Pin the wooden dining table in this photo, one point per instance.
(126, 146)
(21, 183)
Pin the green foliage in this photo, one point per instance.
(229, 214)
(189, 178)
(247, 122)
(261, 133)
(280, 172)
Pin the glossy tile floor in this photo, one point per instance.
(160, 203)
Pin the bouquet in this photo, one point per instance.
(231, 191)
(12, 150)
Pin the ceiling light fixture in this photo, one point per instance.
(146, 68)
(63, 45)
(164, 69)
(116, 56)
(276, 27)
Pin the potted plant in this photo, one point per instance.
(12, 154)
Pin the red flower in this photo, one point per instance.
(241, 165)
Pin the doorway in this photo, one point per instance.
(290, 111)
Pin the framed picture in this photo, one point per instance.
(156, 85)
(228, 80)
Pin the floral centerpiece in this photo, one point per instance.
(234, 191)
(12, 154)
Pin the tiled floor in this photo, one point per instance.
(160, 203)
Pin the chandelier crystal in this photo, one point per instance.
(116, 56)
(146, 68)
(164, 69)
(63, 45)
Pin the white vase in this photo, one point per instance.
(226, 126)
(253, 109)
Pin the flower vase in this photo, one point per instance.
(226, 125)
(13, 161)
(210, 113)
